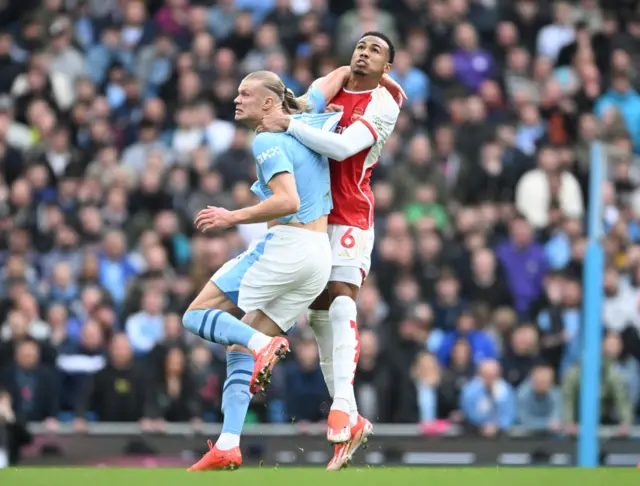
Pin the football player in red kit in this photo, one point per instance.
(369, 116)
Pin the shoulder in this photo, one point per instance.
(383, 103)
(272, 142)
(264, 139)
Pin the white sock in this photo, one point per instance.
(321, 325)
(227, 441)
(258, 341)
(353, 409)
(343, 315)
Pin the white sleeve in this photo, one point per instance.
(336, 146)
(374, 127)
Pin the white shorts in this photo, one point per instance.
(280, 274)
(351, 249)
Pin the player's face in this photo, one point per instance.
(370, 57)
(250, 102)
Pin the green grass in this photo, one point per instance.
(318, 477)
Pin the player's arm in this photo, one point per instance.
(283, 202)
(378, 121)
(325, 89)
(336, 146)
(277, 171)
(329, 86)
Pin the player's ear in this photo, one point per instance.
(268, 103)
(387, 68)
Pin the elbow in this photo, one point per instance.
(291, 205)
(341, 153)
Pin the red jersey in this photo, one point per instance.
(353, 200)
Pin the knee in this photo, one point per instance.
(342, 289)
(192, 319)
(342, 309)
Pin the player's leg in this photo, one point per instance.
(342, 316)
(318, 316)
(275, 318)
(351, 257)
(236, 394)
(236, 398)
(211, 314)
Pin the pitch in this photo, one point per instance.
(378, 476)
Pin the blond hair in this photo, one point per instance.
(271, 81)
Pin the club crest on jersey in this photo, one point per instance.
(357, 113)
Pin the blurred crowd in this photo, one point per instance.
(116, 127)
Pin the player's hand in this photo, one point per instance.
(333, 108)
(212, 217)
(276, 121)
(394, 88)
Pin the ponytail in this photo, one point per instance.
(291, 104)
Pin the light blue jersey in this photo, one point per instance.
(278, 152)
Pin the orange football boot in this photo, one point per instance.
(217, 460)
(344, 452)
(338, 428)
(266, 359)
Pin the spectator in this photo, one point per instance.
(65, 59)
(481, 344)
(448, 304)
(173, 337)
(16, 433)
(488, 402)
(521, 355)
(615, 405)
(555, 36)
(108, 51)
(172, 396)
(625, 100)
(487, 284)
(456, 375)
(473, 65)
(305, 385)
(524, 263)
(77, 362)
(32, 385)
(146, 327)
(559, 323)
(548, 185)
(418, 170)
(372, 379)
(539, 402)
(619, 312)
(423, 402)
(208, 377)
(117, 392)
(115, 270)
(627, 367)
(411, 78)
